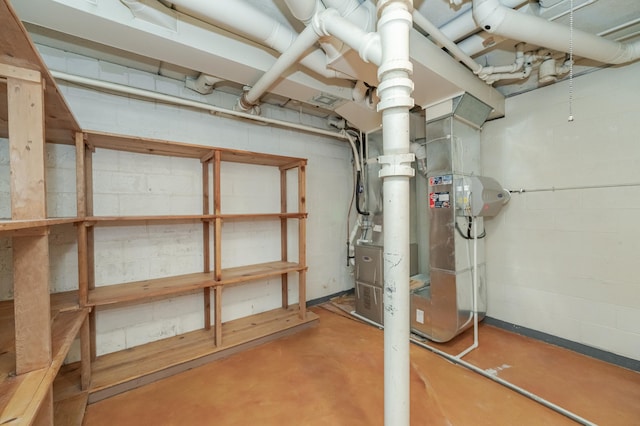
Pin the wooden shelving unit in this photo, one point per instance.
(37, 329)
(114, 373)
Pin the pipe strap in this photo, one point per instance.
(396, 165)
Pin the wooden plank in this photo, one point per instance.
(23, 395)
(247, 157)
(85, 355)
(217, 227)
(9, 226)
(146, 220)
(145, 145)
(218, 316)
(302, 241)
(132, 365)
(242, 274)
(284, 237)
(83, 272)
(144, 290)
(255, 216)
(91, 268)
(12, 71)
(44, 414)
(206, 250)
(81, 193)
(19, 51)
(70, 411)
(26, 150)
(31, 303)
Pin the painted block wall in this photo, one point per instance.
(564, 262)
(127, 184)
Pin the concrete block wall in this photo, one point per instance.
(130, 184)
(564, 261)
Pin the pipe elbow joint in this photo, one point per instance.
(318, 22)
(488, 14)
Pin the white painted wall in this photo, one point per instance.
(128, 184)
(565, 262)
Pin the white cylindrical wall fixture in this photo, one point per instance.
(495, 18)
(394, 74)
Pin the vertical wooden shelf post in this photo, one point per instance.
(302, 239)
(217, 237)
(284, 250)
(91, 267)
(206, 251)
(25, 100)
(83, 272)
(28, 201)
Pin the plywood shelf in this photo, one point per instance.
(124, 370)
(21, 395)
(166, 219)
(242, 274)
(118, 294)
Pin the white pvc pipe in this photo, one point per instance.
(395, 100)
(307, 38)
(474, 284)
(243, 19)
(105, 85)
(361, 13)
(464, 24)
(367, 44)
(523, 392)
(498, 19)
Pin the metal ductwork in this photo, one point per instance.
(457, 198)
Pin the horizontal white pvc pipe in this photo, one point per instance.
(495, 18)
(507, 384)
(105, 85)
(464, 24)
(245, 20)
(367, 44)
(302, 43)
(421, 21)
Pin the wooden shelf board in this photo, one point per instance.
(21, 396)
(120, 371)
(136, 220)
(259, 216)
(145, 145)
(144, 291)
(17, 225)
(149, 289)
(241, 274)
(248, 157)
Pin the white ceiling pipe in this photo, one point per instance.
(329, 22)
(464, 24)
(361, 13)
(148, 94)
(440, 38)
(495, 18)
(243, 19)
(307, 38)
(367, 44)
(304, 10)
(479, 42)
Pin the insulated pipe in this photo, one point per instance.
(243, 19)
(128, 90)
(495, 18)
(395, 89)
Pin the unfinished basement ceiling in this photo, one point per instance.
(174, 41)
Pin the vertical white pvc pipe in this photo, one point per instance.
(395, 100)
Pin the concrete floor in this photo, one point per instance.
(332, 375)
